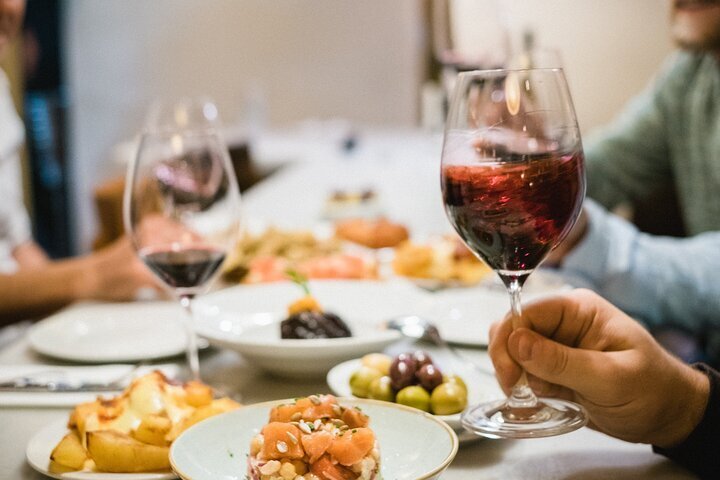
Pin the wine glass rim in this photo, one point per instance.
(496, 72)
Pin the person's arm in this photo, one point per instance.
(114, 273)
(698, 451)
(32, 292)
(629, 159)
(580, 347)
(29, 255)
(661, 280)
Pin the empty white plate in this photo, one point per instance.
(111, 332)
(464, 315)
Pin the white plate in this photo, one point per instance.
(464, 315)
(111, 332)
(338, 380)
(42, 444)
(413, 445)
(246, 319)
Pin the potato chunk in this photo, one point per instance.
(70, 452)
(117, 452)
(152, 430)
(197, 394)
(216, 407)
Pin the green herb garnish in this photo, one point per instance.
(299, 279)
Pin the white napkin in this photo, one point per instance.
(94, 374)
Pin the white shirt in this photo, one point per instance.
(14, 220)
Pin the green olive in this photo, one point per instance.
(414, 396)
(378, 361)
(361, 379)
(448, 398)
(456, 380)
(381, 389)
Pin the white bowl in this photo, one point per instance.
(413, 445)
(246, 319)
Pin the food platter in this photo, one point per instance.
(129, 432)
(41, 445)
(217, 447)
(338, 380)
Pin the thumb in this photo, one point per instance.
(574, 368)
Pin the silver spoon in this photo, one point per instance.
(414, 326)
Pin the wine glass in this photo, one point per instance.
(513, 182)
(468, 35)
(185, 113)
(181, 209)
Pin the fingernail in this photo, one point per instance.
(525, 346)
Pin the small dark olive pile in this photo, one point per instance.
(312, 324)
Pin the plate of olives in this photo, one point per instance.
(411, 379)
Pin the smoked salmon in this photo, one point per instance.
(315, 438)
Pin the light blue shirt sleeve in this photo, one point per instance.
(660, 280)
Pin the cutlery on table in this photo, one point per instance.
(414, 326)
(57, 380)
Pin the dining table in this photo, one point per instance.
(402, 166)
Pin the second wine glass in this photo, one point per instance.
(513, 184)
(181, 209)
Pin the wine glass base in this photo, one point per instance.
(548, 418)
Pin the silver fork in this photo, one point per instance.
(418, 327)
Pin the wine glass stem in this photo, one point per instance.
(192, 350)
(522, 395)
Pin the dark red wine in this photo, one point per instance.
(513, 213)
(187, 268)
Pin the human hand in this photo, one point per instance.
(577, 233)
(115, 273)
(159, 230)
(580, 347)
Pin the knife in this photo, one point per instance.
(22, 385)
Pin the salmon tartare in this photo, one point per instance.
(315, 438)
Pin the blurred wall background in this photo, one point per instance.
(364, 61)
(610, 48)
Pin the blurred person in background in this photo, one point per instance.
(667, 138)
(579, 347)
(31, 283)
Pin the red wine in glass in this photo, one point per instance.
(513, 213)
(185, 268)
(513, 183)
(181, 209)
